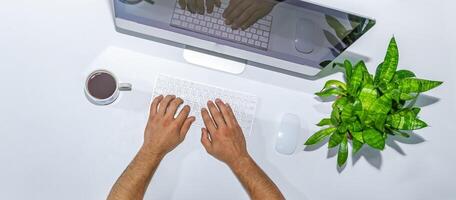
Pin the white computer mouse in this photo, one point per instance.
(305, 36)
(288, 134)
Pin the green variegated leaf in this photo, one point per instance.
(387, 70)
(368, 96)
(382, 105)
(355, 126)
(377, 73)
(405, 120)
(414, 85)
(348, 70)
(357, 145)
(343, 152)
(392, 86)
(416, 111)
(335, 84)
(324, 122)
(342, 128)
(367, 78)
(335, 117)
(335, 140)
(407, 97)
(379, 121)
(340, 30)
(320, 136)
(340, 103)
(358, 136)
(331, 92)
(401, 74)
(395, 94)
(374, 139)
(356, 79)
(347, 113)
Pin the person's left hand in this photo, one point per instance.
(244, 13)
(164, 132)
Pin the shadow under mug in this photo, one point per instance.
(102, 87)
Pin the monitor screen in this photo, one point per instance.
(290, 30)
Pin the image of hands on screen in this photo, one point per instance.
(238, 14)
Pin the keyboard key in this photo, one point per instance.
(263, 39)
(264, 45)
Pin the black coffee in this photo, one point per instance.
(101, 85)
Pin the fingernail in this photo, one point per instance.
(227, 104)
(218, 100)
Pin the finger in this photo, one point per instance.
(183, 115)
(205, 140)
(225, 112)
(235, 13)
(210, 6)
(173, 106)
(216, 115)
(231, 114)
(164, 104)
(241, 20)
(186, 126)
(252, 20)
(182, 4)
(200, 6)
(231, 6)
(208, 122)
(191, 5)
(154, 105)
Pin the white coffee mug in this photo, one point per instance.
(103, 88)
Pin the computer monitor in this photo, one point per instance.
(290, 35)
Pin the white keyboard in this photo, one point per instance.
(214, 25)
(196, 95)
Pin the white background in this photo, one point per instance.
(56, 145)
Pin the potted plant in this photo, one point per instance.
(369, 108)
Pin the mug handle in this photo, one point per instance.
(125, 87)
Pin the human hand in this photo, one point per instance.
(197, 6)
(244, 13)
(164, 132)
(223, 137)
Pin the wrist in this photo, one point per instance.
(240, 163)
(151, 153)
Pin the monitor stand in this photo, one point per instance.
(214, 61)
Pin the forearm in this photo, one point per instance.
(255, 181)
(133, 182)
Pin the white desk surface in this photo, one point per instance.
(56, 145)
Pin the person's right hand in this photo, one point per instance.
(244, 13)
(223, 137)
(197, 6)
